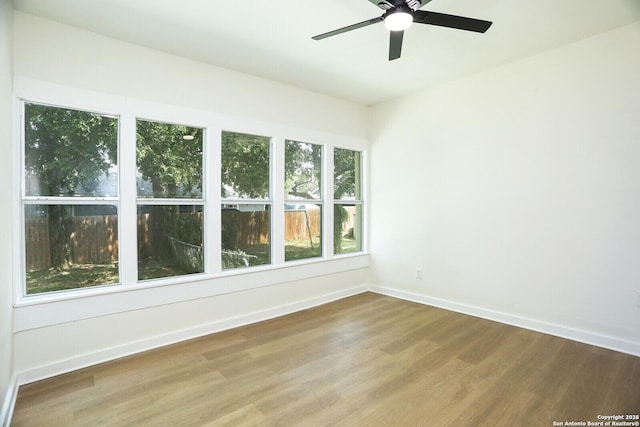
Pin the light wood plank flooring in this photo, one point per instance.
(368, 360)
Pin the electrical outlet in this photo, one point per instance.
(419, 273)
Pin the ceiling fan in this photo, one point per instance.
(400, 14)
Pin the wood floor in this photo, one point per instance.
(368, 360)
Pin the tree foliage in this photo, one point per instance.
(303, 168)
(245, 166)
(170, 156)
(345, 172)
(66, 152)
(346, 183)
(172, 163)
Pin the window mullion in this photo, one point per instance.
(277, 195)
(20, 273)
(327, 195)
(127, 224)
(213, 208)
(364, 220)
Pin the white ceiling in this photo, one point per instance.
(272, 38)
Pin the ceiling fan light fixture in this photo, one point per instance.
(398, 20)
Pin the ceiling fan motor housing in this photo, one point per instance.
(400, 14)
(391, 4)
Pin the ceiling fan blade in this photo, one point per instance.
(348, 28)
(395, 44)
(451, 21)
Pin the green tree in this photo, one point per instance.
(245, 166)
(170, 162)
(66, 152)
(345, 172)
(170, 157)
(345, 183)
(303, 168)
(245, 175)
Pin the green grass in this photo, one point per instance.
(347, 246)
(293, 250)
(154, 268)
(76, 276)
(261, 251)
(88, 275)
(302, 249)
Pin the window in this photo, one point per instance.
(347, 205)
(303, 200)
(246, 200)
(169, 186)
(70, 198)
(100, 212)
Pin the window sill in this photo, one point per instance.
(45, 310)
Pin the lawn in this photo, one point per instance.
(293, 250)
(76, 276)
(87, 275)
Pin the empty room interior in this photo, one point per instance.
(298, 213)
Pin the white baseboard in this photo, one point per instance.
(85, 360)
(9, 402)
(582, 336)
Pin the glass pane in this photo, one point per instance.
(302, 174)
(303, 231)
(246, 235)
(346, 174)
(70, 246)
(169, 160)
(347, 228)
(245, 166)
(170, 240)
(70, 152)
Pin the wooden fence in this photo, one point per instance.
(249, 228)
(37, 248)
(94, 239)
(302, 224)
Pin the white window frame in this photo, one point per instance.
(355, 201)
(239, 201)
(324, 182)
(61, 200)
(46, 309)
(164, 201)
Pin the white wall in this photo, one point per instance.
(517, 191)
(65, 55)
(67, 346)
(64, 335)
(519, 184)
(6, 193)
